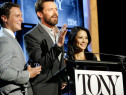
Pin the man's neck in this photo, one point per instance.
(7, 27)
(50, 26)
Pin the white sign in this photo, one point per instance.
(98, 82)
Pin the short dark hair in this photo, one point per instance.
(5, 9)
(39, 5)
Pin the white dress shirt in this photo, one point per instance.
(9, 31)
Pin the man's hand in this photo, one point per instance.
(63, 85)
(34, 71)
(63, 32)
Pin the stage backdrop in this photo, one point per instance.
(72, 12)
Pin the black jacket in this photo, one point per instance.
(42, 50)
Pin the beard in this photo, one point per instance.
(50, 21)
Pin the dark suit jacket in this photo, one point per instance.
(41, 49)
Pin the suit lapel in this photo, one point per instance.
(45, 34)
(15, 41)
(8, 34)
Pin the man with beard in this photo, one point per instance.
(44, 45)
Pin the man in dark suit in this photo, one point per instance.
(44, 44)
(13, 78)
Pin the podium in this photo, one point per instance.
(85, 70)
(106, 75)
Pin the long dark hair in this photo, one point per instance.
(71, 39)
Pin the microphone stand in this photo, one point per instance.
(122, 58)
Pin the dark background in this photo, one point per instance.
(111, 16)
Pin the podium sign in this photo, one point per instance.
(98, 82)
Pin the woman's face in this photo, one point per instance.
(81, 40)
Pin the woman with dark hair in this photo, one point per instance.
(78, 41)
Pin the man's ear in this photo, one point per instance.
(4, 18)
(39, 14)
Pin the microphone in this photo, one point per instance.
(121, 57)
(120, 62)
(107, 54)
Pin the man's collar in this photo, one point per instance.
(8, 31)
